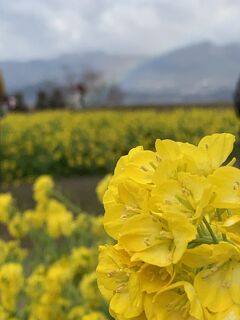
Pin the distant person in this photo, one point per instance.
(77, 97)
(82, 91)
(236, 99)
(12, 102)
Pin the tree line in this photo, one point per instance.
(90, 91)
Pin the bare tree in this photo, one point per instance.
(42, 101)
(20, 102)
(89, 87)
(114, 96)
(57, 99)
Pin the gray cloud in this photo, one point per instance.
(33, 29)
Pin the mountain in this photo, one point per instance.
(196, 73)
(202, 72)
(30, 76)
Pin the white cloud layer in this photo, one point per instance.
(37, 29)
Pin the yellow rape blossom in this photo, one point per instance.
(153, 278)
(5, 206)
(189, 194)
(160, 240)
(72, 141)
(89, 290)
(18, 227)
(121, 203)
(175, 215)
(119, 282)
(42, 188)
(11, 282)
(81, 259)
(35, 218)
(94, 316)
(59, 262)
(221, 279)
(58, 219)
(76, 313)
(178, 302)
(227, 190)
(102, 186)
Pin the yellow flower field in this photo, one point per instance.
(68, 143)
(48, 257)
(172, 219)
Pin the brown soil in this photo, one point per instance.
(80, 190)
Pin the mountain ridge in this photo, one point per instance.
(200, 72)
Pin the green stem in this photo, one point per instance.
(215, 240)
(202, 240)
(199, 241)
(203, 229)
(72, 207)
(200, 232)
(229, 213)
(224, 237)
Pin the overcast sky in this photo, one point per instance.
(32, 29)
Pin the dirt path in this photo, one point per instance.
(81, 190)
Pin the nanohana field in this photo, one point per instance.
(167, 245)
(48, 257)
(72, 143)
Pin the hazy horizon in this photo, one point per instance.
(147, 55)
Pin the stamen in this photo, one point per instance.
(147, 241)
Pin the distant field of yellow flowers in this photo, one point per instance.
(69, 143)
(171, 217)
(48, 257)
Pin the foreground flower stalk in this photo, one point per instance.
(174, 214)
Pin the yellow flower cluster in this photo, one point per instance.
(175, 216)
(42, 188)
(102, 187)
(49, 212)
(5, 205)
(47, 271)
(65, 142)
(11, 282)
